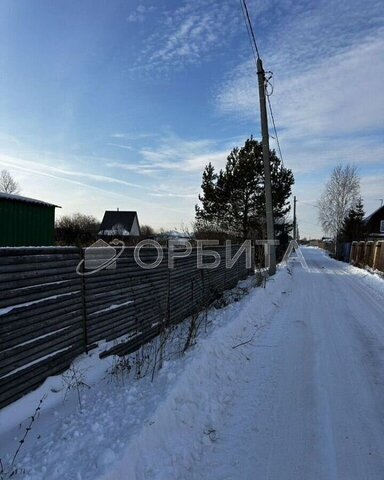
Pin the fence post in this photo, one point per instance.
(380, 265)
(239, 269)
(83, 302)
(360, 254)
(378, 255)
(205, 297)
(192, 297)
(168, 291)
(368, 253)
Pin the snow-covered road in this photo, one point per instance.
(310, 404)
(287, 383)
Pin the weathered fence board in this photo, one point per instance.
(49, 314)
(368, 254)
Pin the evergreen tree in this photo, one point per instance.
(353, 226)
(233, 200)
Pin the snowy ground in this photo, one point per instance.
(286, 384)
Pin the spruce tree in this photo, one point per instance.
(233, 200)
(353, 227)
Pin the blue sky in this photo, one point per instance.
(122, 103)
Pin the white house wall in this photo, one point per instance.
(135, 230)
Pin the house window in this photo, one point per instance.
(381, 226)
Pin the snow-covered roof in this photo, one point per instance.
(174, 234)
(19, 198)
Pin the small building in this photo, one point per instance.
(172, 235)
(374, 224)
(327, 239)
(119, 224)
(26, 222)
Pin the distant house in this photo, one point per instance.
(327, 239)
(26, 222)
(374, 223)
(172, 235)
(119, 224)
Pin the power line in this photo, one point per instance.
(309, 203)
(249, 34)
(271, 254)
(256, 55)
(250, 31)
(274, 129)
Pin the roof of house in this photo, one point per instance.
(367, 219)
(116, 217)
(19, 198)
(173, 234)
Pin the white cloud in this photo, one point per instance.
(176, 164)
(178, 154)
(118, 135)
(372, 189)
(328, 108)
(181, 155)
(61, 173)
(139, 14)
(315, 154)
(89, 193)
(133, 136)
(326, 114)
(124, 147)
(188, 35)
(174, 195)
(341, 94)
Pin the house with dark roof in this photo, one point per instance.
(119, 224)
(374, 224)
(26, 222)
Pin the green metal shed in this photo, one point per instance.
(26, 221)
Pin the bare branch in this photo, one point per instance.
(7, 183)
(339, 196)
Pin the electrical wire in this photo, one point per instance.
(256, 56)
(275, 130)
(248, 21)
(248, 26)
(268, 82)
(309, 203)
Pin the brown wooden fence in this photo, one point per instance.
(368, 254)
(49, 314)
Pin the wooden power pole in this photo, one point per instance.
(271, 254)
(294, 219)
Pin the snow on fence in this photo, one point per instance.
(368, 254)
(49, 314)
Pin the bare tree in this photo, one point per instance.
(340, 195)
(146, 231)
(76, 229)
(7, 183)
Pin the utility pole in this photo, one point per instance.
(271, 253)
(294, 219)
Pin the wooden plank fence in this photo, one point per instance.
(49, 314)
(368, 254)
